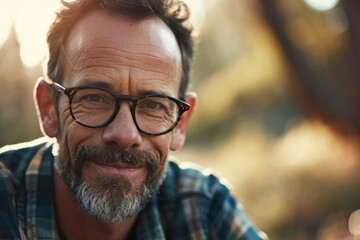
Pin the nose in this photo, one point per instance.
(122, 131)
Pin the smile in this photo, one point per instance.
(117, 168)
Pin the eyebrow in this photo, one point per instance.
(150, 92)
(107, 86)
(95, 83)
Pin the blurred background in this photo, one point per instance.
(278, 83)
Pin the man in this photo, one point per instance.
(114, 102)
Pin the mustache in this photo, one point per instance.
(110, 154)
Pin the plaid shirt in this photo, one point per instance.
(189, 204)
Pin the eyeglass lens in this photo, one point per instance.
(95, 107)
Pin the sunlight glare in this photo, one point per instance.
(5, 21)
(31, 21)
(354, 223)
(197, 9)
(321, 5)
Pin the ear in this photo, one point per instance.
(43, 96)
(179, 134)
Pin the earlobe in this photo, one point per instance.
(179, 134)
(43, 94)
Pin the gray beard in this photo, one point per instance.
(111, 199)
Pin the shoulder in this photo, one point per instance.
(186, 180)
(189, 186)
(14, 159)
(192, 195)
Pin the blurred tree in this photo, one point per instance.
(329, 91)
(325, 77)
(18, 120)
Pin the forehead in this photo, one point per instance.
(100, 26)
(148, 42)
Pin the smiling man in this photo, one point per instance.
(114, 102)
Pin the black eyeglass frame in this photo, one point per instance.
(70, 92)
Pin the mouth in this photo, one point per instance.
(116, 168)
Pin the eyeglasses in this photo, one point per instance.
(96, 107)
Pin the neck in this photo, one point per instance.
(75, 223)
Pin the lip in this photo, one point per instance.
(117, 168)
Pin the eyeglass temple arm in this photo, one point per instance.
(59, 87)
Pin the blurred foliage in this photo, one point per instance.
(278, 85)
(18, 121)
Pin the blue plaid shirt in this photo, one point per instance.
(189, 204)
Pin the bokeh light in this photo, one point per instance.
(31, 20)
(354, 223)
(321, 5)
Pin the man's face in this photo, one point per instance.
(112, 170)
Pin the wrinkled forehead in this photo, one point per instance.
(100, 28)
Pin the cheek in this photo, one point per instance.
(70, 130)
(67, 144)
(161, 144)
(70, 135)
(64, 115)
(71, 139)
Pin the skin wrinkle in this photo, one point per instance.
(130, 69)
(64, 112)
(123, 73)
(85, 80)
(154, 61)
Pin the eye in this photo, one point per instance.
(95, 98)
(152, 105)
